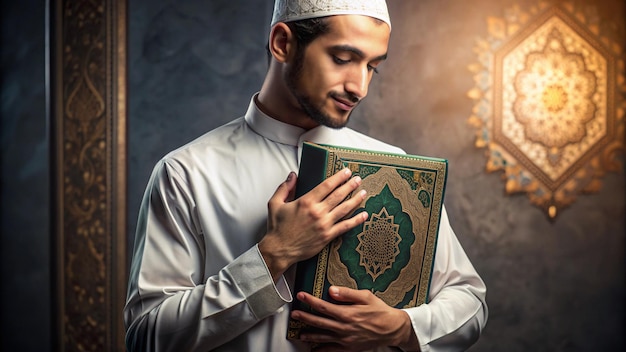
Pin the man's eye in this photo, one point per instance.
(340, 61)
(372, 68)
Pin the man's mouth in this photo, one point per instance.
(344, 103)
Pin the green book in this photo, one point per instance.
(392, 252)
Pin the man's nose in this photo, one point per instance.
(358, 81)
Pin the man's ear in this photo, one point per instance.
(282, 43)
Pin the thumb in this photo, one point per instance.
(291, 185)
(285, 191)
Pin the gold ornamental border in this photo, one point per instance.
(528, 173)
(87, 71)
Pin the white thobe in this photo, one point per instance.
(198, 281)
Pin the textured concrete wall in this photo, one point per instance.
(551, 286)
(193, 66)
(25, 231)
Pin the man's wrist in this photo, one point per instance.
(274, 264)
(409, 340)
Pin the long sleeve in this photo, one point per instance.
(197, 280)
(457, 311)
(173, 303)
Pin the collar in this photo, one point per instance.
(284, 133)
(271, 128)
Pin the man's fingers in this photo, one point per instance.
(325, 308)
(348, 295)
(314, 320)
(348, 224)
(339, 195)
(321, 191)
(345, 206)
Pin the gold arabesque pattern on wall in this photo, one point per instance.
(549, 105)
(88, 98)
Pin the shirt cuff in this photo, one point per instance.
(420, 325)
(253, 278)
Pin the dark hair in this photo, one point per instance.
(305, 31)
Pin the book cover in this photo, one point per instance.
(392, 252)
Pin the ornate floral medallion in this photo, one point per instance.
(549, 103)
(379, 244)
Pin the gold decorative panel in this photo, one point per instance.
(549, 104)
(88, 94)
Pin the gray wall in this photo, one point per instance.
(551, 286)
(25, 241)
(193, 66)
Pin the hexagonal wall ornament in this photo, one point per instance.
(549, 102)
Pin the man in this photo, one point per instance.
(219, 230)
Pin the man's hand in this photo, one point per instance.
(299, 229)
(365, 323)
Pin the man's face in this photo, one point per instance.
(332, 74)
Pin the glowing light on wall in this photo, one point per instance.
(549, 105)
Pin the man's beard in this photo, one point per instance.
(292, 77)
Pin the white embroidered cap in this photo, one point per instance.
(293, 10)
